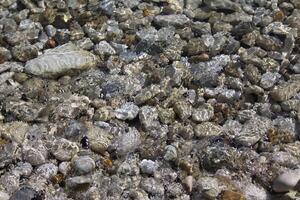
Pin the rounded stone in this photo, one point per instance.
(47, 170)
(84, 165)
(286, 181)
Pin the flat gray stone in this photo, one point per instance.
(63, 60)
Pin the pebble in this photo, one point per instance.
(152, 186)
(188, 182)
(170, 153)
(171, 20)
(127, 111)
(268, 79)
(68, 60)
(127, 142)
(78, 182)
(24, 193)
(4, 196)
(286, 90)
(84, 165)
(286, 181)
(47, 170)
(148, 166)
(104, 48)
(33, 156)
(64, 150)
(203, 113)
(207, 129)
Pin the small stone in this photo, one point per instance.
(5, 55)
(183, 109)
(104, 48)
(152, 186)
(148, 166)
(23, 169)
(47, 170)
(166, 116)
(170, 153)
(296, 68)
(64, 168)
(268, 79)
(148, 116)
(203, 113)
(222, 5)
(127, 111)
(207, 129)
(188, 182)
(4, 196)
(286, 90)
(127, 142)
(78, 182)
(85, 43)
(33, 156)
(64, 150)
(24, 52)
(171, 20)
(50, 30)
(231, 195)
(286, 181)
(84, 165)
(253, 130)
(24, 193)
(63, 60)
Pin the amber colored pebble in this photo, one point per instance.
(278, 16)
(231, 195)
(51, 43)
(108, 163)
(57, 179)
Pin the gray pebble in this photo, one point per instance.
(286, 181)
(127, 111)
(47, 170)
(84, 165)
(148, 166)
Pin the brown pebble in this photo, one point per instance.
(231, 195)
(278, 16)
(51, 43)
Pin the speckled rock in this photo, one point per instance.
(64, 150)
(104, 48)
(33, 156)
(127, 111)
(152, 186)
(148, 166)
(127, 142)
(252, 130)
(286, 90)
(24, 52)
(171, 20)
(207, 129)
(47, 170)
